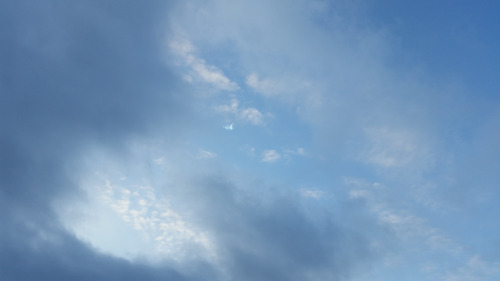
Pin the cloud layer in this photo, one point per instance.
(119, 159)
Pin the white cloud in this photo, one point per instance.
(476, 269)
(392, 147)
(204, 154)
(263, 86)
(299, 151)
(200, 70)
(270, 156)
(229, 108)
(159, 161)
(249, 114)
(405, 223)
(140, 207)
(312, 193)
(252, 115)
(286, 88)
(359, 193)
(135, 216)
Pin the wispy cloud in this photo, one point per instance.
(263, 86)
(200, 71)
(475, 269)
(205, 154)
(248, 114)
(270, 156)
(312, 193)
(394, 148)
(289, 89)
(300, 151)
(159, 226)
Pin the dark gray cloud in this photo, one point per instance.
(33, 253)
(74, 74)
(279, 239)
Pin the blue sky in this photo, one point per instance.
(249, 140)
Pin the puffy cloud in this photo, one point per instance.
(252, 115)
(249, 114)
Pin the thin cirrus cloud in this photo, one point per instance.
(199, 69)
(114, 163)
(263, 86)
(270, 156)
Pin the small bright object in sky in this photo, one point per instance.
(229, 127)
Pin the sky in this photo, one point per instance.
(249, 140)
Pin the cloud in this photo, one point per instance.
(205, 154)
(199, 69)
(312, 193)
(162, 233)
(67, 258)
(263, 86)
(105, 86)
(299, 151)
(100, 143)
(272, 239)
(289, 88)
(248, 235)
(94, 90)
(249, 114)
(74, 75)
(475, 269)
(252, 115)
(390, 148)
(270, 156)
